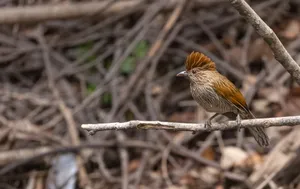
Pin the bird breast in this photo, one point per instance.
(207, 98)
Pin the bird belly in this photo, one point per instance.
(207, 98)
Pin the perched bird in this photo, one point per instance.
(215, 93)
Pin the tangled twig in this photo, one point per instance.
(280, 53)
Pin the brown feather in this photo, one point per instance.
(197, 59)
(228, 91)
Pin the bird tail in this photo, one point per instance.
(260, 136)
(259, 133)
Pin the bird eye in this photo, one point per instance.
(193, 71)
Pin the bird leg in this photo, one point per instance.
(239, 122)
(207, 123)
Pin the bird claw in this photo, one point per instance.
(207, 124)
(239, 122)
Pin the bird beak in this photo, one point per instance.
(182, 74)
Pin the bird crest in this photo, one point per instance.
(197, 59)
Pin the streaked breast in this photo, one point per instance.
(209, 99)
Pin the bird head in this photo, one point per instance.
(197, 64)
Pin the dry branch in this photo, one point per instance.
(13, 15)
(15, 155)
(15, 158)
(280, 53)
(279, 159)
(160, 125)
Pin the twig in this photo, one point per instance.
(9, 156)
(139, 172)
(160, 125)
(189, 163)
(143, 26)
(28, 128)
(156, 46)
(34, 99)
(106, 175)
(124, 159)
(246, 44)
(283, 155)
(266, 181)
(153, 110)
(25, 156)
(61, 11)
(183, 151)
(164, 166)
(11, 15)
(212, 36)
(65, 111)
(280, 53)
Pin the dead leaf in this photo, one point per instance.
(156, 90)
(292, 30)
(232, 156)
(234, 55)
(133, 165)
(179, 137)
(219, 187)
(274, 94)
(294, 92)
(252, 161)
(249, 81)
(261, 106)
(259, 49)
(187, 180)
(292, 102)
(208, 175)
(177, 187)
(209, 153)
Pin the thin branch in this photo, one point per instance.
(37, 13)
(280, 53)
(160, 125)
(123, 153)
(23, 156)
(11, 15)
(67, 114)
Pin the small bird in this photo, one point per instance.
(215, 93)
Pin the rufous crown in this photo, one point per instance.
(197, 59)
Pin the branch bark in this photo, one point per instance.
(175, 126)
(11, 15)
(280, 53)
(36, 13)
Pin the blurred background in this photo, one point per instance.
(65, 63)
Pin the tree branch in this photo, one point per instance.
(280, 53)
(175, 126)
(37, 13)
(11, 15)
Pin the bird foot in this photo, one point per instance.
(239, 122)
(207, 124)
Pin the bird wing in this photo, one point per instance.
(229, 92)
